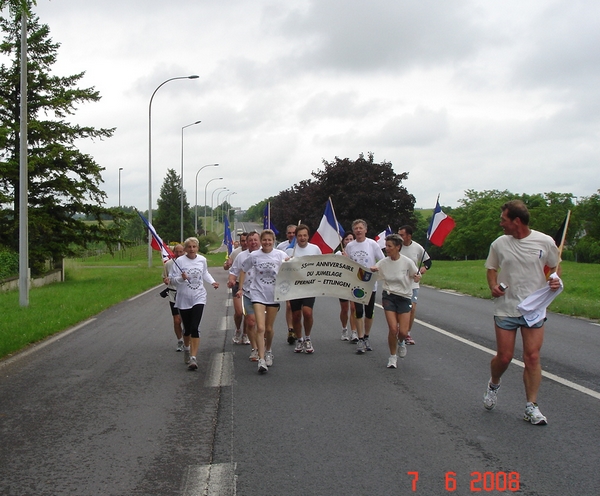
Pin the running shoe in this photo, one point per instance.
(186, 355)
(245, 339)
(490, 397)
(354, 337)
(368, 344)
(237, 338)
(179, 345)
(402, 349)
(409, 340)
(193, 365)
(533, 415)
(269, 358)
(345, 336)
(299, 346)
(392, 362)
(360, 347)
(291, 339)
(262, 366)
(308, 347)
(254, 356)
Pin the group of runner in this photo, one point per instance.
(256, 274)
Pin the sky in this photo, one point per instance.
(462, 95)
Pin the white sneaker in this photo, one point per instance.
(308, 347)
(179, 345)
(193, 365)
(269, 358)
(345, 336)
(402, 349)
(392, 362)
(299, 346)
(254, 356)
(237, 338)
(354, 337)
(262, 366)
(245, 339)
(490, 397)
(533, 415)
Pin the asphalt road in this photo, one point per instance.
(110, 409)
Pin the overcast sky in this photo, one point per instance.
(460, 94)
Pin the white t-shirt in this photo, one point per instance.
(366, 253)
(236, 268)
(190, 292)
(416, 253)
(265, 267)
(397, 275)
(283, 245)
(520, 265)
(309, 249)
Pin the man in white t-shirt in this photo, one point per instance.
(239, 337)
(420, 257)
(515, 269)
(302, 309)
(367, 253)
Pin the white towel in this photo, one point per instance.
(533, 308)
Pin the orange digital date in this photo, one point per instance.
(480, 481)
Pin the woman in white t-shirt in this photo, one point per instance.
(265, 264)
(347, 306)
(398, 273)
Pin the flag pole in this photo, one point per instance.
(564, 234)
(296, 243)
(337, 230)
(437, 202)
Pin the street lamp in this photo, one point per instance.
(150, 160)
(212, 211)
(196, 207)
(181, 184)
(213, 179)
(219, 196)
(120, 169)
(229, 195)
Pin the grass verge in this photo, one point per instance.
(90, 287)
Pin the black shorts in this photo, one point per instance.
(174, 311)
(297, 305)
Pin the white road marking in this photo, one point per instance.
(220, 370)
(146, 292)
(555, 378)
(210, 480)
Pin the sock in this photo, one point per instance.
(493, 386)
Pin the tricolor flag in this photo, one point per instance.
(267, 224)
(156, 242)
(440, 226)
(380, 238)
(330, 232)
(227, 239)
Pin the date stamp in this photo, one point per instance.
(479, 482)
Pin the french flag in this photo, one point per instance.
(157, 243)
(329, 233)
(380, 238)
(440, 226)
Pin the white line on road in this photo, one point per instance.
(145, 292)
(210, 480)
(560, 380)
(220, 370)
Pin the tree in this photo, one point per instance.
(168, 216)
(63, 182)
(358, 188)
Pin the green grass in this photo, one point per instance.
(90, 286)
(581, 296)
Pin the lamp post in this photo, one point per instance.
(212, 210)
(150, 160)
(219, 196)
(196, 206)
(213, 179)
(120, 169)
(181, 184)
(229, 195)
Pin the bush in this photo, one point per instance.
(205, 242)
(9, 263)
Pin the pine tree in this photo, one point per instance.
(168, 217)
(64, 183)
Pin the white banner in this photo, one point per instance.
(324, 275)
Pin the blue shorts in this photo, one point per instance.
(513, 323)
(395, 303)
(248, 308)
(415, 295)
